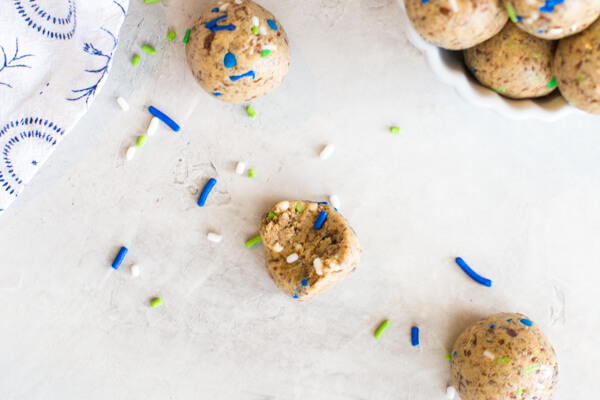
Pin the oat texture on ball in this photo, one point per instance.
(577, 69)
(552, 19)
(238, 51)
(504, 356)
(309, 247)
(456, 24)
(514, 63)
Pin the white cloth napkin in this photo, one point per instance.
(55, 56)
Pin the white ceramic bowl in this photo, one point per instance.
(450, 69)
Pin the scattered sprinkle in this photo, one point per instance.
(299, 208)
(453, 5)
(157, 302)
(292, 258)
(526, 322)
(552, 84)
(395, 130)
(265, 53)
(135, 270)
(492, 326)
(135, 61)
(215, 10)
(255, 21)
(186, 38)
(448, 357)
(255, 30)
(123, 103)
(214, 22)
(119, 258)
(249, 74)
(214, 237)
(217, 94)
(320, 220)
(252, 173)
(498, 90)
(230, 61)
(152, 126)
(152, 1)
(334, 266)
(240, 168)
(532, 368)
(263, 31)
(224, 7)
(171, 36)
(250, 111)
(255, 241)
(555, 31)
(489, 354)
(519, 392)
(284, 205)
(414, 336)
(206, 191)
(326, 152)
(450, 392)
(472, 274)
(271, 47)
(272, 215)
(385, 325)
(278, 248)
(503, 360)
(304, 282)
(149, 50)
(141, 142)
(335, 201)
(511, 13)
(272, 24)
(295, 295)
(130, 153)
(580, 78)
(318, 264)
(164, 118)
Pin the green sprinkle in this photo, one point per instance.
(519, 392)
(135, 61)
(265, 53)
(252, 173)
(255, 241)
(395, 130)
(272, 215)
(255, 30)
(552, 84)
(532, 368)
(149, 50)
(499, 90)
(152, 1)
(538, 78)
(503, 360)
(511, 13)
(171, 36)
(299, 208)
(186, 38)
(157, 302)
(448, 357)
(251, 112)
(382, 328)
(581, 78)
(141, 142)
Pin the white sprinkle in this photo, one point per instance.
(292, 258)
(450, 392)
(240, 168)
(453, 5)
(263, 30)
(335, 267)
(130, 153)
(224, 7)
(214, 237)
(238, 1)
(326, 152)
(255, 21)
(152, 126)
(574, 28)
(135, 270)
(271, 47)
(335, 201)
(282, 206)
(312, 207)
(555, 31)
(489, 355)
(123, 103)
(318, 264)
(278, 248)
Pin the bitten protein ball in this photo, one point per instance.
(456, 24)
(577, 69)
(502, 357)
(238, 51)
(553, 19)
(514, 63)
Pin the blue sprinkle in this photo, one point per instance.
(492, 326)
(247, 74)
(526, 322)
(119, 258)
(216, 94)
(206, 191)
(223, 28)
(296, 295)
(272, 24)
(305, 282)
(325, 237)
(472, 68)
(454, 355)
(541, 31)
(508, 320)
(213, 23)
(424, 1)
(164, 118)
(519, 18)
(230, 61)
(414, 336)
(216, 9)
(320, 220)
(472, 274)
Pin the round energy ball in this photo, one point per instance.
(514, 63)
(238, 51)
(577, 69)
(504, 356)
(553, 19)
(456, 24)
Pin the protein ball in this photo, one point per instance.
(238, 51)
(577, 69)
(456, 24)
(553, 19)
(513, 63)
(309, 247)
(504, 356)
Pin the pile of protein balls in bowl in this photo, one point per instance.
(549, 43)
